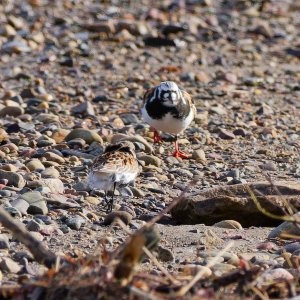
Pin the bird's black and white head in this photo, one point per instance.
(169, 93)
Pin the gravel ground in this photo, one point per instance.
(66, 65)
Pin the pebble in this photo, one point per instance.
(54, 157)
(199, 155)
(123, 215)
(37, 203)
(87, 135)
(9, 266)
(59, 135)
(9, 167)
(21, 205)
(76, 143)
(54, 184)
(13, 211)
(81, 186)
(13, 178)
(75, 222)
(150, 160)
(50, 173)
(269, 246)
(275, 275)
(226, 135)
(164, 254)
(253, 81)
(219, 110)
(92, 200)
(285, 228)
(34, 226)
(230, 224)
(47, 118)
(268, 166)
(137, 192)
(4, 242)
(291, 248)
(14, 111)
(85, 108)
(254, 256)
(35, 165)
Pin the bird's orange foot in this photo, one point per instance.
(157, 138)
(179, 154)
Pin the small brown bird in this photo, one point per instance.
(169, 109)
(117, 166)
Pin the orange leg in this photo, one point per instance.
(157, 138)
(177, 153)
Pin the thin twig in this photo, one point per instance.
(288, 206)
(40, 253)
(259, 293)
(267, 213)
(142, 294)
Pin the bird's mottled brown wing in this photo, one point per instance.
(117, 162)
(188, 98)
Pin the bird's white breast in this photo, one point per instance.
(168, 123)
(105, 181)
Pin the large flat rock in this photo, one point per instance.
(234, 202)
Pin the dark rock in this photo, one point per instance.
(226, 135)
(165, 254)
(294, 52)
(34, 226)
(240, 131)
(85, 108)
(159, 42)
(174, 28)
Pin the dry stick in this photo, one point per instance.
(150, 255)
(268, 214)
(40, 253)
(142, 294)
(288, 206)
(198, 276)
(259, 293)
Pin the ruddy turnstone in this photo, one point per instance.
(117, 166)
(169, 109)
